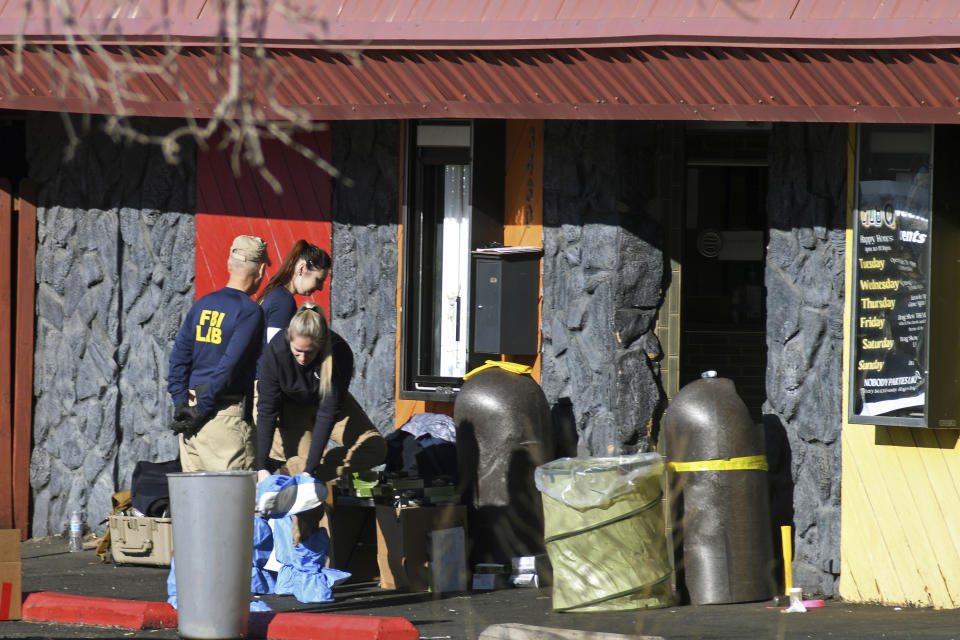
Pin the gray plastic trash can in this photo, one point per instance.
(213, 515)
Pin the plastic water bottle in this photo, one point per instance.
(76, 532)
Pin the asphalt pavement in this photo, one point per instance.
(47, 566)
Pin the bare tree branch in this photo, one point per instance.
(94, 60)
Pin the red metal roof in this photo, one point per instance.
(503, 24)
(650, 83)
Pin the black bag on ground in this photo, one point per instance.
(148, 488)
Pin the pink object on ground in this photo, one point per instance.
(809, 604)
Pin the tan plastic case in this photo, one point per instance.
(141, 540)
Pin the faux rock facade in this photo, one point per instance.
(115, 277)
(603, 272)
(115, 249)
(363, 284)
(805, 296)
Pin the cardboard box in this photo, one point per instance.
(531, 571)
(403, 544)
(448, 560)
(11, 574)
(141, 540)
(353, 541)
(488, 576)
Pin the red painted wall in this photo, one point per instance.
(228, 206)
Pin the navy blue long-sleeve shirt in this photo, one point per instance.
(279, 307)
(217, 346)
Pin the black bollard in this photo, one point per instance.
(718, 497)
(504, 432)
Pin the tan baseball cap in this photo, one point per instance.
(250, 249)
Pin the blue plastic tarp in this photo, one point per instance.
(301, 573)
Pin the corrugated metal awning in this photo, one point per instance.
(645, 83)
(498, 24)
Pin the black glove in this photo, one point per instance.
(185, 412)
(186, 420)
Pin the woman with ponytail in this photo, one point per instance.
(302, 273)
(303, 395)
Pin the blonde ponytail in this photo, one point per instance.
(310, 322)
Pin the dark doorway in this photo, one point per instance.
(723, 314)
(13, 165)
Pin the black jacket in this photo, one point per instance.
(283, 380)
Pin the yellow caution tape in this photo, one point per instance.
(745, 463)
(512, 367)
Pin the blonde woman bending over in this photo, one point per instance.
(304, 402)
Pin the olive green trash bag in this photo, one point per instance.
(604, 532)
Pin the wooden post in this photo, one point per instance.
(6, 431)
(23, 364)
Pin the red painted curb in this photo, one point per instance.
(329, 626)
(45, 606)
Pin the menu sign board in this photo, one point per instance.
(891, 275)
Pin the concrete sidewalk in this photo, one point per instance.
(47, 567)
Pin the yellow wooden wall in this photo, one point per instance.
(900, 505)
(523, 225)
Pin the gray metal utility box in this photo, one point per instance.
(506, 294)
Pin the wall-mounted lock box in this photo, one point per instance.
(506, 298)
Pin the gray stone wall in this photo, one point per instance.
(363, 284)
(114, 264)
(603, 271)
(804, 280)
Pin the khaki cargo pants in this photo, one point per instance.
(224, 443)
(361, 445)
(361, 448)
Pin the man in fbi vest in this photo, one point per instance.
(213, 364)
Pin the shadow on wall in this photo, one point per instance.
(780, 482)
(115, 274)
(566, 435)
(564, 428)
(606, 202)
(804, 281)
(911, 437)
(99, 173)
